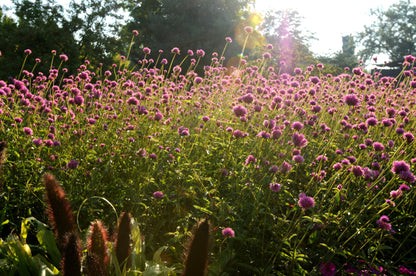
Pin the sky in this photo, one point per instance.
(329, 20)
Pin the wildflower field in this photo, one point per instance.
(298, 174)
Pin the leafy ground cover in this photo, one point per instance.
(302, 173)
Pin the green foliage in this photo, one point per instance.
(392, 32)
(165, 147)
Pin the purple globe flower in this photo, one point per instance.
(400, 166)
(285, 168)
(306, 202)
(328, 269)
(73, 164)
(228, 232)
(239, 111)
(275, 187)
(351, 100)
(383, 223)
(28, 131)
(299, 140)
(158, 194)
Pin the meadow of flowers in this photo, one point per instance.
(298, 174)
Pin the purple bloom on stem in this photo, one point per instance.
(63, 57)
(240, 111)
(404, 187)
(152, 156)
(133, 101)
(250, 159)
(409, 137)
(73, 164)
(357, 171)
(327, 269)
(175, 50)
(275, 187)
(395, 193)
(228, 232)
(37, 142)
(337, 166)
(297, 126)
(399, 166)
(298, 158)
(383, 223)
(285, 168)
(299, 140)
(146, 50)
(305, 202)
(28, 131)
(248, 29)
(200, 53)
(158, 194)
(351, 100)
(378, 146)
(407, 176)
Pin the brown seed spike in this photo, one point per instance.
(58, 210)
(196, 262)
(2, 159)
(97, 243)
(122, 243)
(71, 260)
(94, 267)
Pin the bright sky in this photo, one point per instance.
(329, 20)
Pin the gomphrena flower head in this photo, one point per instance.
(351, 99)
(158, 194)
(248, 29)
(328, 269)
(175, 50)
(73, 164)
(285, 168)
(407, 176)
(400, 166)
(28, 131)
(239, 111)
(196, 261)
(275, 187)
(305, 202)
(383, 223)
(228, 232)
(299, 140)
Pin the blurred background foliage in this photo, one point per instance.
(100, 31)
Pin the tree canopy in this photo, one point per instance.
(393, 32)
(197, 24)
(282, 29)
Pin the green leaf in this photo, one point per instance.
(203, 210)
(47, 241)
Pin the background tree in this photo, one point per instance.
(393, 32)
(282, 29)
(40, 27)
(337, 63)
(186, 24)
(85, 30)
(96, 25)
